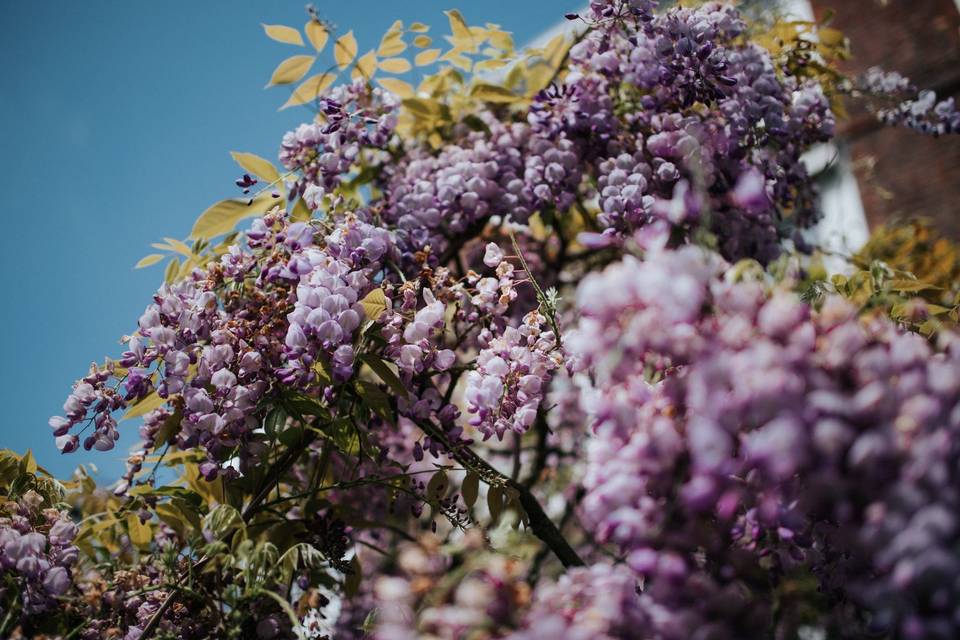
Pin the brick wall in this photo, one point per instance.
(902, 173)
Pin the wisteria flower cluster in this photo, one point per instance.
(535, 348)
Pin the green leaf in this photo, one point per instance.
(374, 304)
(275, 421)
(470, 488)
(291, 70)
(385, 373)
(375, 399)
(254, 164)
(223, 216)
(169, 428)
(284, 34)
(149, 260)
(222, 520)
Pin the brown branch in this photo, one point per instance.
(281, 466)
(540, 523)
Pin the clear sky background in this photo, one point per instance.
(116, 120)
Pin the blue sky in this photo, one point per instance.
(116, 120)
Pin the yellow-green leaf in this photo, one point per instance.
(28, 464)
(317, 34)
(366, 66)
(422, 41)
(223, 216)
(374, 304)
(493, 93)
(395, 65)
(501, 40)
(149, 260)
(254, 164)
(491, 65)
(345, 50)
(300, 212)
(311, 89)
(426, 57)
(399, 87)
(151, 402)
(421, 107)
(170, 273)
(291, 70)
(140, 533)
(179, 247)
(281, 33)
(419, 27)
(457, 59)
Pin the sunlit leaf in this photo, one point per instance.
(172, 270)
(392, 43)
(281, 33)
(254, 164)
(374, 304)
(179, 246)
(311, 89)
(140, 533)
(291, 70)
(458, 26)
(366, 66)
(28, 464)
(395, 65)
(345, 50)
(426, 57)
(493, 93)
(223, 216)
(149, 260)
(422, 41)
(399, 87)
(419, 27)
(317, 34)
(501, 40)
(151, 402)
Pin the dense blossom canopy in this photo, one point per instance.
(542, 352)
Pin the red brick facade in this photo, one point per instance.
(902, 173)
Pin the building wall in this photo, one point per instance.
(902, 173)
